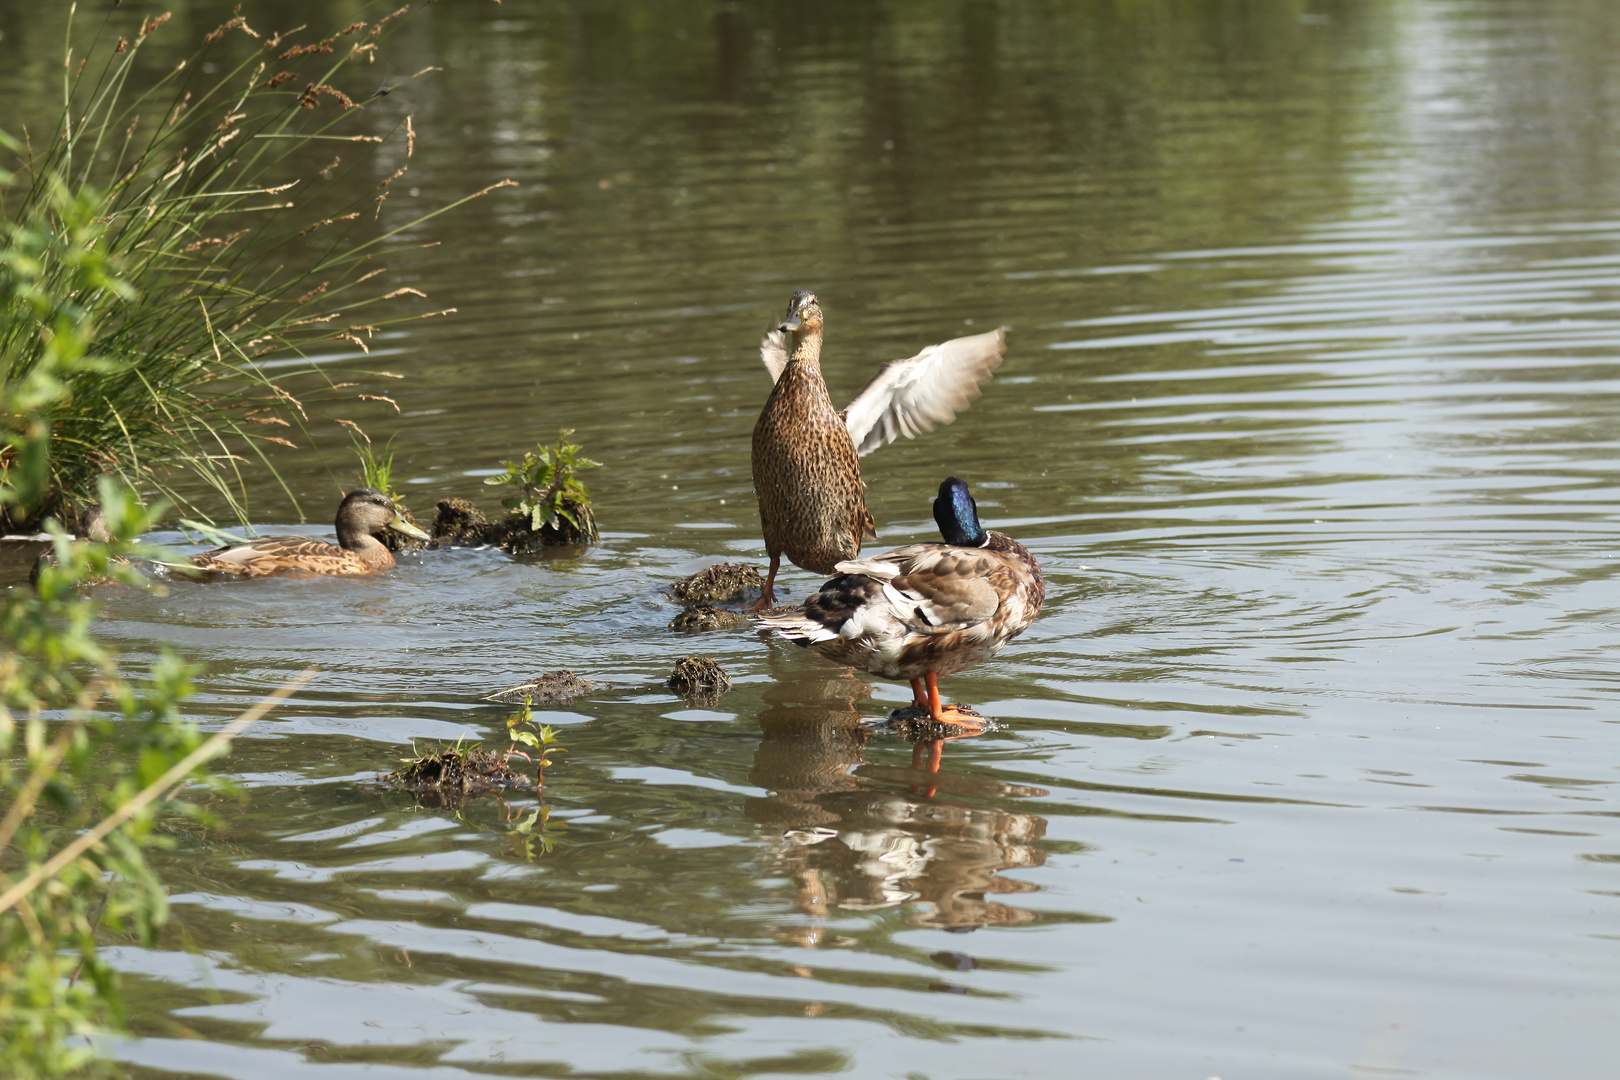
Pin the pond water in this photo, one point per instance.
(1310, 412)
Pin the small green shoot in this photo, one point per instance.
(540, 739)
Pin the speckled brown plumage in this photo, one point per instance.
(362, 515)
(925, 610)
(807, 476)
(806, 454)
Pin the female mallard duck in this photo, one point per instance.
(362, 515)
(92, 527)
(925, 610)
(807, 471)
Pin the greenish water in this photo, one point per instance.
(1310, 411)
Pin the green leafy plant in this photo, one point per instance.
(219, 241)
(541, 738)
(551, 498)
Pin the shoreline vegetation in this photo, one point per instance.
(170, 236)
(204, 199)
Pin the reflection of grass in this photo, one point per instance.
(208, 198)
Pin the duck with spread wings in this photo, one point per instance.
(806, 454)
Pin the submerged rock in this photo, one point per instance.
(698, 676)
(552, 688)
(717, 584)
(704, 617)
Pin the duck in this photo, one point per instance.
(363, 514)
(92, 528)
(806, 454)
(924, 611)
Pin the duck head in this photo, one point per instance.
(367, 512)
(804, 312)
(957, 516)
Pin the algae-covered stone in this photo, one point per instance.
(698, 675)
(717, 584)
(704, 617)
(552, 688)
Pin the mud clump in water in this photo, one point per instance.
(517, 535)
(552, 688)
(460, 523)
(698, 677)
(704, 617)
(717, 584)
(452, 774)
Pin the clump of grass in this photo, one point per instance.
(223, 247)
(456, 772)
(551, 505)
(377, 473)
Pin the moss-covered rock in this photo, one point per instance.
(721, 583)
(705, 617)
(552, 688)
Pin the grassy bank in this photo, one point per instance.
(206, 195)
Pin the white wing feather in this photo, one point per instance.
(911, 396)
(773, 353)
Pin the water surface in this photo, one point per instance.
(1309, 411)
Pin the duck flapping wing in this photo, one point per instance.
(924, 392)
(773, 353)
(909, 396)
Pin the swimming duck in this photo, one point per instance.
(924, 610)
(806, 454)
(92, 527)
(361, 516)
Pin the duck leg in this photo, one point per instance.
(941, 714)
(767, 595)
(919, 695)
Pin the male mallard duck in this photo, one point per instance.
(807, 471)
(92, 527)
(361, 516)
(924, 610)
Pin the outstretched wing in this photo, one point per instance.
(773, 352)
(922, 393)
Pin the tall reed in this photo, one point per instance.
(230, 249)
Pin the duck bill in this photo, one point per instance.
(791, 323)
(400, 525)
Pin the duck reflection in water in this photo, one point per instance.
(858, 836)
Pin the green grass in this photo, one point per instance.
(225, 240)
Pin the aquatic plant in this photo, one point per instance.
(377, 467)
(551, 499)
(218, 243)
(540, 738)
(377, 473)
